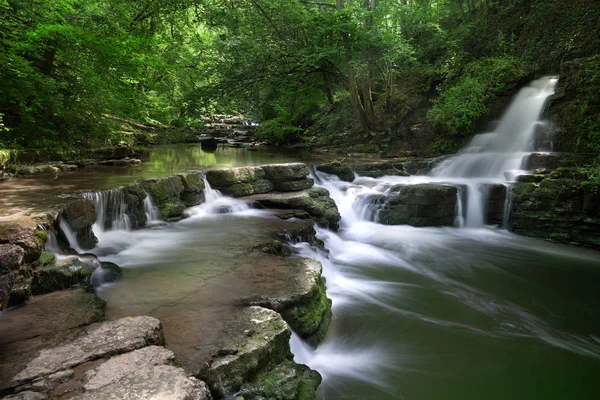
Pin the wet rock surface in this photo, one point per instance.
(315, 202)
(561, 208)
(419, 205)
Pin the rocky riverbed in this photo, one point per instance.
(229, 328)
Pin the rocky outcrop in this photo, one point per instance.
(80, 214)
(418, 205)
(304, 306)
(287, 380)
(400, 167)
(193, 189)
(562, 208)
(496, 204)
(165, 193)
(258, 361)
(315, 202)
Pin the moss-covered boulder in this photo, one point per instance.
(20, 291)
(62, 274)
(287, 381)
(80, 214)
(419, 205)
(559, 208)
(261, 342)
(230, 176)
(165, 194)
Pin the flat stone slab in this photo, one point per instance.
(93, 342)
(44, 321)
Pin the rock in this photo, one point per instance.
(563, 209)
(209, 144)
(294, 186)
(262, 340)
(7, 283)
(80, 214)
(45, 321)
(62, 274)
(315, 201)
(111, 271)
(343, 171)
(93, 342)
(248, 188)
(165, 193)
(419, 205)
(305, 307)
(152, 382)
(193, 189)
(496, 204)
(24, 232)
(133, 197)
(287, 381)
(230, 176)
(531, 178)
(11, 257)
(20, 291)
(286, 172)
(27, 395)
(119, 366)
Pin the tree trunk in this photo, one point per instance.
(357, 107)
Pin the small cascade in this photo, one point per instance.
(52, 242)
(70, 235)
(507, 207)
(459, 220)
(111, 210)
(216, 203)
(151, 211)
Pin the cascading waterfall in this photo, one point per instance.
(111, 210)
(498, 156)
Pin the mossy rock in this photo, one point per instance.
(306, 318)
(247, 188)
(230, 176)
(46, 258)
(62, 274)
(287, 381)
(285, 172)
(20, 292)
(294, 186)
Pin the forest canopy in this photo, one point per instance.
(72, 69)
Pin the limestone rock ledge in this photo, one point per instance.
(120, 359)
(258, 361)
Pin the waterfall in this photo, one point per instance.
(111, 210)
(151, 211)
(70, 235)
(215, 203)
(490, 155)
(498, 156)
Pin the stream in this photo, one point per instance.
(464, 312)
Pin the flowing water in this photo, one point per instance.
(470, 312)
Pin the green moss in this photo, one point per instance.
(41, 237)
(46, 258)
(365, 148)
(53, 277)
(307, 318)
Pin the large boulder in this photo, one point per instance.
(305, 306)
(419, 205)
(559, 209)
(80, 214)
(165, 194)
(262, 341)
(316, 202)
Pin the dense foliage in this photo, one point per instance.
(72, 70)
